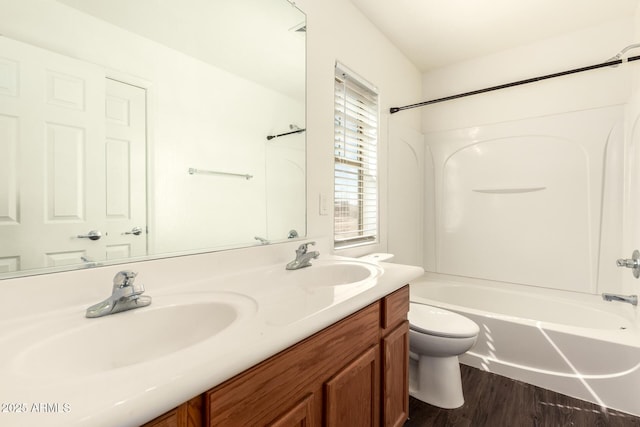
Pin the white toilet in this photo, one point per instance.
(436, 338)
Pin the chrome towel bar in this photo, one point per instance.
(193, 171)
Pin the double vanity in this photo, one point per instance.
(250, 346)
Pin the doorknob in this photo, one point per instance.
(93, 235)
(136, 231)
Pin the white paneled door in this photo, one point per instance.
(124, 148)
(64, 171)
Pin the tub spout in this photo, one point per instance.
(631, 299)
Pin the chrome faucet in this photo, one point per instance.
(631, 299)
(262, 240)
(126, 295)
(633, 263)
(303, 258)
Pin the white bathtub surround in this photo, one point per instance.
(41, 362)
(550, 162)
(571, 343)
(531, 190)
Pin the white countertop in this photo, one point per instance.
(279, 313)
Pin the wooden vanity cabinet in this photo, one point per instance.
(267, 392)
(353, 373)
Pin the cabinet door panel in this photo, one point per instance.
(300, 415)
(189, 414)
(169, 419)
(353, 395)
(395, 379)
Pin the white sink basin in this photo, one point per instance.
(335, 274)
(74, 346)
(316, 288)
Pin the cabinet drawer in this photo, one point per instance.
(395, 307)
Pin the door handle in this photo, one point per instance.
(92, 235)
(136, 231)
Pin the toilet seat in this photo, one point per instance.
(442, 323)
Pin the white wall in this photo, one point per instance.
(338, 31)
(526, 109)
(216, 121)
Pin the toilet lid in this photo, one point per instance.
(442, 323)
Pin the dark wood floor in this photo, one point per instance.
(495, 401)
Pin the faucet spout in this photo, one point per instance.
(303, 257)
(126, 295)
(631, 299)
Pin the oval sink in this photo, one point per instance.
(322, 285)
(322, 274)
(71, 347)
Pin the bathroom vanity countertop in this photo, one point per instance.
(278, 312)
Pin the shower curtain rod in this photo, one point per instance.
(610, 62)
(270, 137)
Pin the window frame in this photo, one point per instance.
(356, 134)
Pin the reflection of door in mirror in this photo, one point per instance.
(125, 154)
(55, 182)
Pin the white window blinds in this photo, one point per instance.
(355, 154)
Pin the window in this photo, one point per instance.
(355, 160)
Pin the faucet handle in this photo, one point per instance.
(633, 263)
(124, 278)
(302, 249)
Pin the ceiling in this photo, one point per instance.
(434, 33)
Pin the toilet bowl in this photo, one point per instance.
(436, 338)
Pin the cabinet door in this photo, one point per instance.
(395, 377)
(353, 394)
(170, 419)
(189, 414)
(300, 415)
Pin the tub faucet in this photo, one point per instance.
(303, 258)
(631, 299)
(126, 295)
(633, 263)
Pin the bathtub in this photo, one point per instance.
(574, 344)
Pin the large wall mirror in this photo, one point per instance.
(137, 129)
